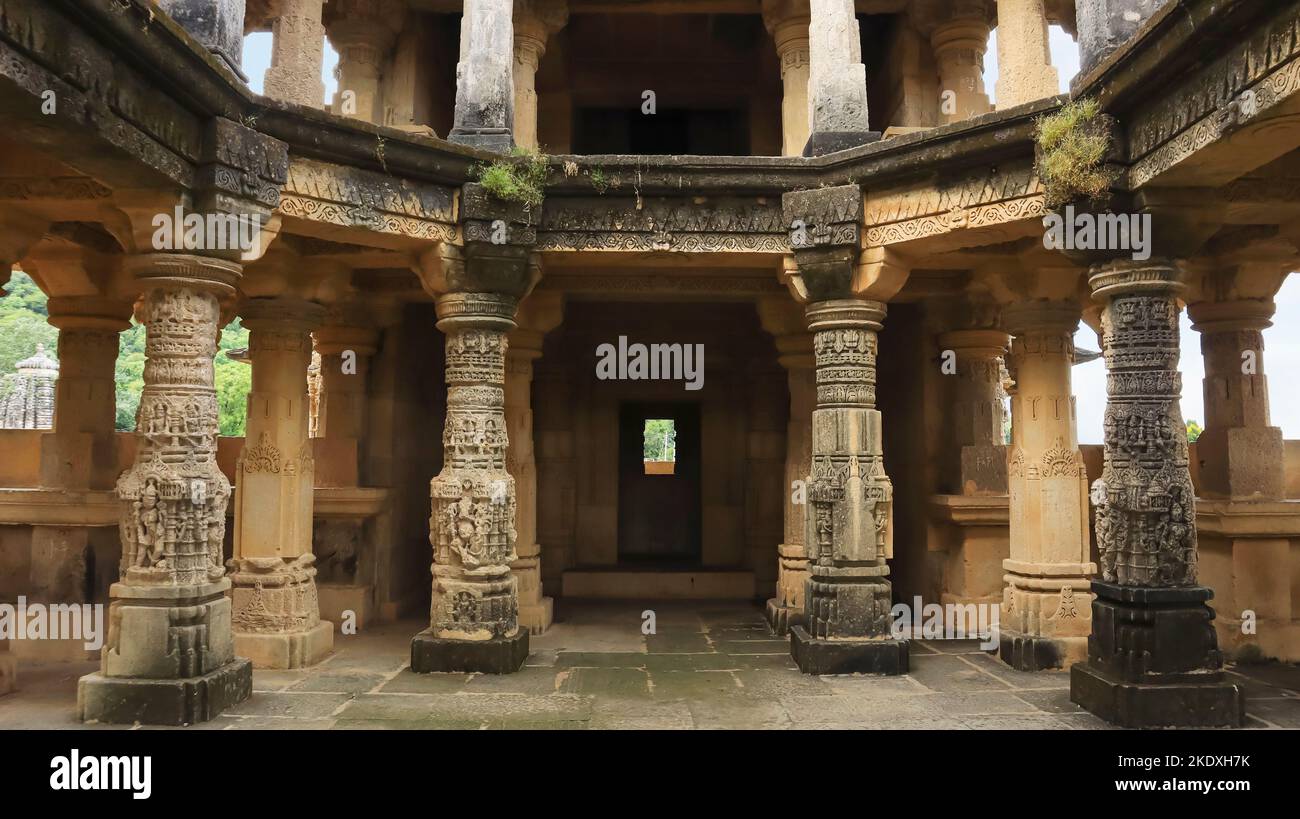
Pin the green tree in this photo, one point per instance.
(233, 381)
(660, 441)
(1193, 431)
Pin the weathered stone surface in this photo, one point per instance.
(837, 80)
(180, 701)
(1105, 25)
(217, 24)
(496, 655)
(484, 76)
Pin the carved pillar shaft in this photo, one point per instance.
(276, 609)
(297, 51)
(1153, 657)
(1241, 453)
(787, 607)
(535, 610)
(363, 33)
(342, 404)
(791, 38)
(475, 595)
(959, 48)
(1025, 70)
(170, 657)
(837, 79)
(484, 76)
(1045, 604)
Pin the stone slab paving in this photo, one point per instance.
(708, 665)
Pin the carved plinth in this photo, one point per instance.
(277, 612)
(1153, 660)
(474, 615)
(170, 655)
(848, 531)
(1153, 656)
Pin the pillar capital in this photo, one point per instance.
(1124, 277)
(1041, 316)
(285, 314)
(1227, 316)
(975, 344)
(90, 313)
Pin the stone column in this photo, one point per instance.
(837, 80)
(535, 21)
(217, 24)
(363, 32)
(1153, 657)
(976, 552)
(296, 54)
(484, 76)
(787, 21)
(1025, 70)
(170, 658)
(959, 45)
(8, 669)
(1242, 455)
(276, 609)
(1045, 617)
(795, 352)
(475, 611)
(540, 314)
(341, 414)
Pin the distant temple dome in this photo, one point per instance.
(27, 396)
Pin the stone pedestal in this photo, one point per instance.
(1044, 620)
(276, 610)
(484, 76)
(298, 40)
(848, 531)
(1025, 70)
(170, 657)
(474, 617)
(787, 20)
(837, 80)
(1153, 657)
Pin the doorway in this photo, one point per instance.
(659, 489)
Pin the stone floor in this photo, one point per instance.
(710, 665)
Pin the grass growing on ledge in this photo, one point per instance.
(1073, 143)
(521, 178)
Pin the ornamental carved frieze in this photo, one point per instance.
(1256, 74)
(679, 224)
(982, 198)
(243, 162)
(352, 197)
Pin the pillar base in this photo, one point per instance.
(500, 141)
(1153, 660)
(782, 618)
(813, 656)
(184, 701)
(499, 655)
(293, 649)
(821, 143)
(537, 618)
(1027, 652)
(8, 673)
(1142, 705)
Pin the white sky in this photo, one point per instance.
(1281, 342)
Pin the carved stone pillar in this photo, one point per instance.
(484, 84)
(787, 20)
(540, 314)
(297, 49)
(535, 21)
(276, 609)
(1153, 657)
(837, 80)
(363, 32)
(1242, 455)
(1025, 70)
(959, 45)
(794, 346)
(1045, 620)
(169, 657)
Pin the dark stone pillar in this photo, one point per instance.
(1104, 26)
(217, 24)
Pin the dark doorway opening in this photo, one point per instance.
(688, 132)
(659, 487)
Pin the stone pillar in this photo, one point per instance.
(794, 346)
(959, 45)
(1025, 70)
(787, 21)
(296, 54)
(484, 76)
(535, 21)
(218, 25)
(540, 314)
(1104, 26)
(341, 416)
(979, 544)
(1242, 455)
(8, 669)
(837, 80)
(170, 658)
(276, 609)
(474, 617)
(1153, 657)
(363, 32)
(1044, 622)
